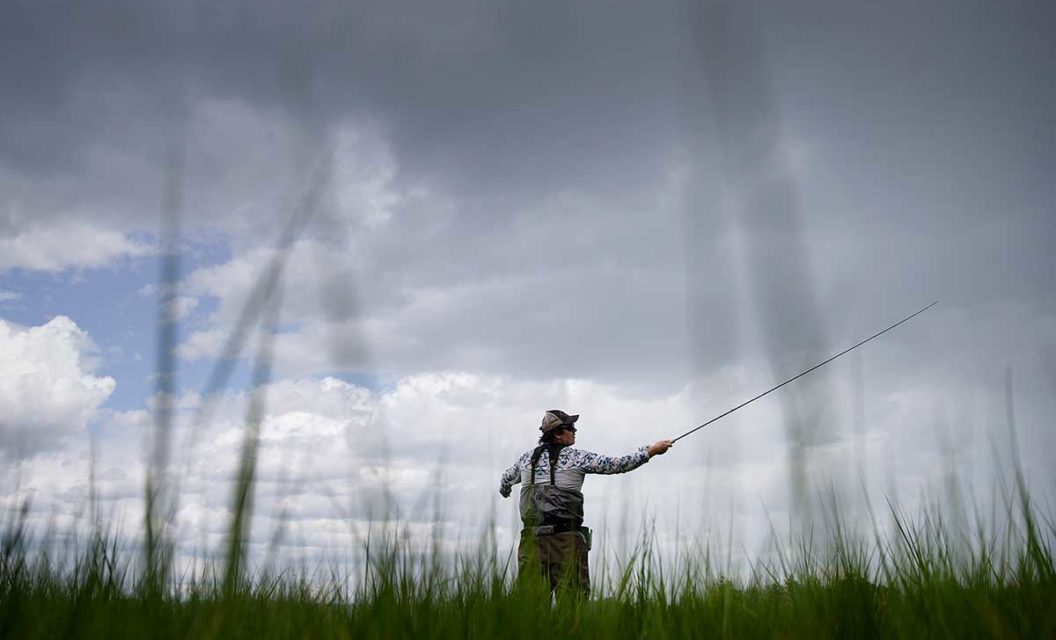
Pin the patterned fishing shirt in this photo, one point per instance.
(561, 504)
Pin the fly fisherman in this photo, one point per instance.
(554, 540)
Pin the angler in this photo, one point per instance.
(554, 542)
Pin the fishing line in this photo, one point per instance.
(800, 375)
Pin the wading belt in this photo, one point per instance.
(549, 530)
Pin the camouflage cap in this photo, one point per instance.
(555, 418)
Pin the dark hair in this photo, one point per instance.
(553, 450)
(548, 437)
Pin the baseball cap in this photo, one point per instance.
(555, 418)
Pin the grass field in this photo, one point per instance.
(926, 581)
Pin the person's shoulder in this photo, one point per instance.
(578, 454)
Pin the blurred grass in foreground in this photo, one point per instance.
(928, 581)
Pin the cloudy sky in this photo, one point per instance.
(442, 219)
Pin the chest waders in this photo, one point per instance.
(547, 509)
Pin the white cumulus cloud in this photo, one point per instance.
(336, 459)
(47, 386)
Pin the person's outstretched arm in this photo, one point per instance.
(595, 463)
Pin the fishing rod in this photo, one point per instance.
(800, 375)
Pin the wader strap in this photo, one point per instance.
(555, 452)
(535, 461)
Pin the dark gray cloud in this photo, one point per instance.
(494, 101)
(913, 141)
(502, 105)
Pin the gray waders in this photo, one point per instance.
(554, 542)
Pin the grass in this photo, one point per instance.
(926, 581)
